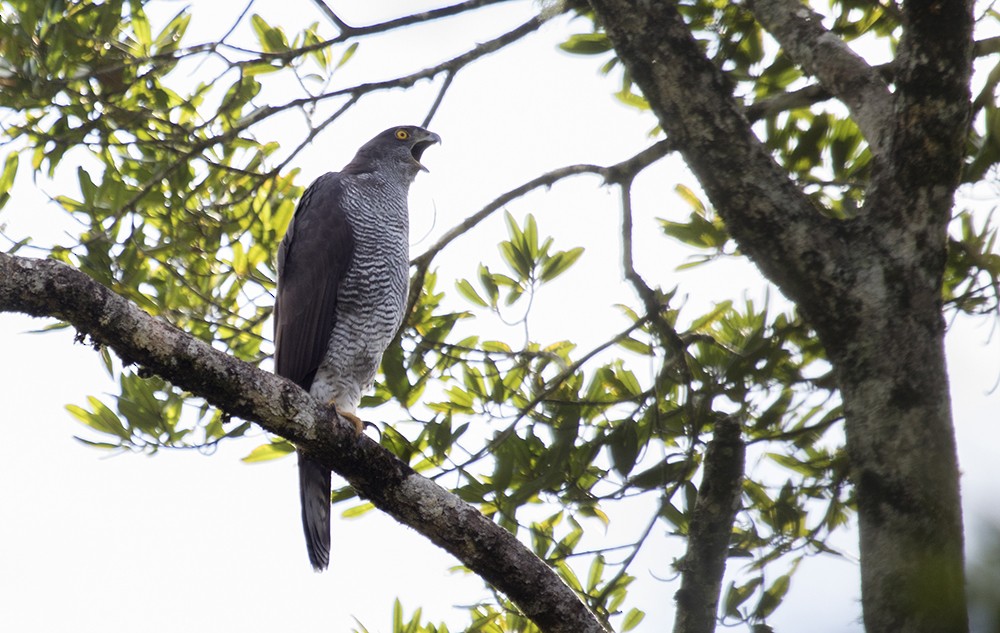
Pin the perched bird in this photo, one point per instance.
(343, 275)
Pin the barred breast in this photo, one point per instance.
(372, 295)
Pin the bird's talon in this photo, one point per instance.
(358, 423)
(372, 425)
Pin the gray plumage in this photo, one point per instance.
(342, 285)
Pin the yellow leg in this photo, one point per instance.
(353, 419)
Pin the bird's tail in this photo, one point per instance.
(314, 492)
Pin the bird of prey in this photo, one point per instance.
(343, 275)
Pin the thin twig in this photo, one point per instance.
(449, 76)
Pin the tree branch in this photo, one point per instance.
(617, 173)
(785, 101)
(414, 18)
(772, 220)
(711, 527)
(51, 288)
(815, 93)
(840, 70)
(933, 68)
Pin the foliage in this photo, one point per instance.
(181, 208)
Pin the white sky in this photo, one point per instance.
(187, 542)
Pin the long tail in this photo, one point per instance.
(314, 493)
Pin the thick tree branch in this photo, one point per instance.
(933, 70)
(773, 221)
(710, 530)
(50, 288)
(816, 93)
(840, 70)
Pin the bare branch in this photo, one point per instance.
(406, 20)
(655, 308)
(840, 70)
(51, 288)
(627, 169)
(785, 101)
(448, 78)
(342, 26)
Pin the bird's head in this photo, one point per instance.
(398, 149)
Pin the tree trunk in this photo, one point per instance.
(902, 454)
(870, 285)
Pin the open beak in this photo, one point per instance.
(417, 150)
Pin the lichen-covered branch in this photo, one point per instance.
(774, 222)
(840, 70)
(51, 288)
(710, 529)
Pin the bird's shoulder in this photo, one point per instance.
(319, 217)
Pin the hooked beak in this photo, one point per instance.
(418, 147)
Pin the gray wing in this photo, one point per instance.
(312, 261)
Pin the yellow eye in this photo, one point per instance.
(402, 135)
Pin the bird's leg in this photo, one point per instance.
(353, 419)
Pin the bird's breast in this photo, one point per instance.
(370, 299)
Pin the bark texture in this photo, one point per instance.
(710, 530)
(50, 288)
(861, 87)
(871, 286)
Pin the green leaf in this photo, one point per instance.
(9, 172)
(587, 44)
(699, 232)
(100, 419)
(348, 54)
(271, 39)
(773, 596)
(624, 446)
(495, 346)
(140, 27)
(267, 452)
(465, 289)
(357, 510)
(259, 68)
(632, 620)
(633, 100)
(701, 323)
(559, 263)
(102, 445)
(517, 260)
(530, 235)
(674, 515)
(170, 37)
(635, 346)
(567, 574)
(596, 573)
(693, 201)
(737, 595)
